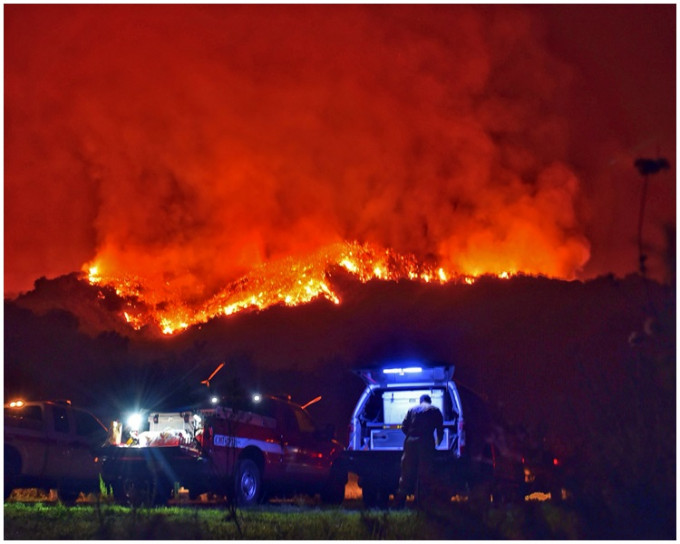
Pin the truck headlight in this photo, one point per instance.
(134, 421)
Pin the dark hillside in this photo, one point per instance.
(526, 343)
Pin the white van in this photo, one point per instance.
(375, 436)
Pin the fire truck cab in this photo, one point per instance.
(268, 446)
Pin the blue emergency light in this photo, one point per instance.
(402, 371)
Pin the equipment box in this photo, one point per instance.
(397, 403)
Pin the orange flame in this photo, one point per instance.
(288, 281)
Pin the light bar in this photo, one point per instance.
(16, 404)
(402, 371)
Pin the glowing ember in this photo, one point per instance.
(289, 281)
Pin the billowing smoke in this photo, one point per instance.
(187, 144)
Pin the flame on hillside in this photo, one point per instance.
(289, 281)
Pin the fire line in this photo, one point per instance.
(289, 282)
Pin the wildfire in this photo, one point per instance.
(289, 282)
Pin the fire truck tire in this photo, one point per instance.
(247, 483)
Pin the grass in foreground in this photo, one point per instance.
(105, 521)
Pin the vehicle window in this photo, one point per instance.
(263, 407)
(87, 425)
(26, 417)
(304, 421)
(60, 416)
(373, 411)
(289, 419)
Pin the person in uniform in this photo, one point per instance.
(419, 426)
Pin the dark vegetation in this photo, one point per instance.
(623, 477)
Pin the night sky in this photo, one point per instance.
(188, 144)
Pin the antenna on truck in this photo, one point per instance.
(317, 399)
(207, 382)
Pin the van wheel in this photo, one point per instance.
(374, 497)
(507, 494)
(247, 483)
(556, 494)
(334, 490)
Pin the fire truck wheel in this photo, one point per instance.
(248, 483)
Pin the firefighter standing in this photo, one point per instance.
(419, 426)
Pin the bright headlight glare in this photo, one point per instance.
(134, 421)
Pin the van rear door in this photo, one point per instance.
(406, 375)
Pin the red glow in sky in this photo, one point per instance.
(199, 141)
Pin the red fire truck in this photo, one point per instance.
(268, 446)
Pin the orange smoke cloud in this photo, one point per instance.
(534, 233)
(205, 141)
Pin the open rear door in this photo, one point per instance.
(406, 374)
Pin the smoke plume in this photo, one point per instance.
(187, 144)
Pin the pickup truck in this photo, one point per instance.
(51, 445)
(266, 446)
